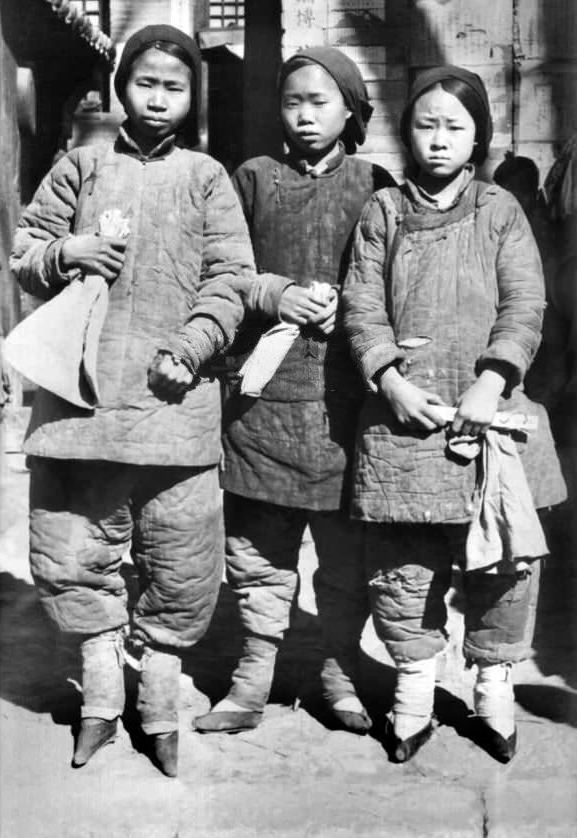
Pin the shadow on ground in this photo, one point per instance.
(38, 666)
(555, 642)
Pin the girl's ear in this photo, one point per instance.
(349, 114)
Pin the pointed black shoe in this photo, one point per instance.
(165, 752)
(359, 723)
(501, 749)
(227, 721)
(91, 738)
(402, 750)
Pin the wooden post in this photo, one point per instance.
(262, 132)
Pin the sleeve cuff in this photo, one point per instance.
(56, 275)
(378, 357)
(197, 343)
(266, 294)
(509, 353)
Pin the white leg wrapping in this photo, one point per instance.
(414, 696)
(350, 703)
(494, 697)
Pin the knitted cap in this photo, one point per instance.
(346, 74)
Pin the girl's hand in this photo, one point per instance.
(413, 407)
(325, 321)
(169, 378)
(477, 406)
(94, 254)
(297, 305)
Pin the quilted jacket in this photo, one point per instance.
(292, 446)
(188, 246)
(469, 279)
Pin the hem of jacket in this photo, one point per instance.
(125, 455)
(392, 518)
(278, 500)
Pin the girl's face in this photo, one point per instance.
(442, 134)
(157, 97)
(313, 110)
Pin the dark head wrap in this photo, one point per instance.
(158, 36)
(438, 75)
(349, 81)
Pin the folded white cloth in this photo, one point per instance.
(56, 346)
(266, 358)
(272, 348)
(505, 530)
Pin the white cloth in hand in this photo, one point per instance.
(266, 358)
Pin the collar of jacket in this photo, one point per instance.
(129, 146)
(304, 167)
(423, 199)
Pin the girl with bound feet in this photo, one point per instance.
(443, 307)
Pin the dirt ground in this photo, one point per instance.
(293, 776)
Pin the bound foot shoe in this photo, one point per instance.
(500, 748)
(402, 750)
(93, 736)
(165, 752)
(227, 721)
(355, 722)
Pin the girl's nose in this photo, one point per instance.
(306, 113)
(439, 138)
(156, 99)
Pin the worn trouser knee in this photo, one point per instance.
(74, 505)
(409, 612)
(103, 675)
(158, 690)
(500, 615)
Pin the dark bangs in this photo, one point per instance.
(469, 99)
